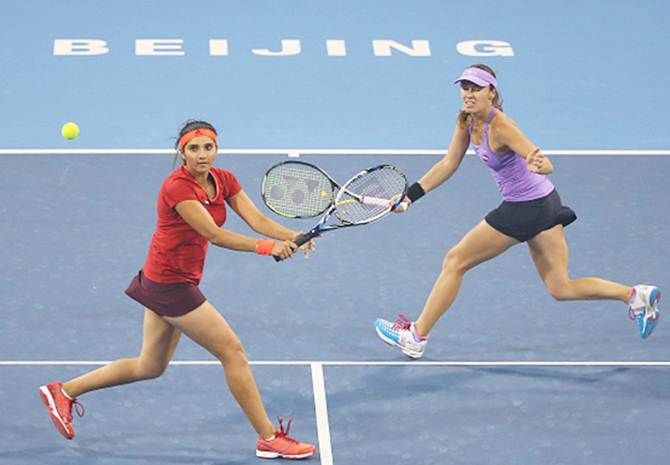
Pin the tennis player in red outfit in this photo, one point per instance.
(191, 211)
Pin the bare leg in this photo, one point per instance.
(159, 342)
(480, 244)
(206, 326)
(549, 251)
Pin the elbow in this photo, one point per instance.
(215, 237)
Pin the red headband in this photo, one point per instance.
(183, 140)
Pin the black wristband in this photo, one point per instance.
(415, 192)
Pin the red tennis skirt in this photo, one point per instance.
(175, 299)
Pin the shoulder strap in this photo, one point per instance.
(488, 120)
(490, 117)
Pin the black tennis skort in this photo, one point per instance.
(525, 220)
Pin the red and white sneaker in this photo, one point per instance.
(60, 407)
(283, 446)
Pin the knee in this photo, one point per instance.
(234, 354)
(455, 262)
(560, 290)
(149, 369)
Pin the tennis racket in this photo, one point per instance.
(296, 189)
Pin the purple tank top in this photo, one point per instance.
(515, 182)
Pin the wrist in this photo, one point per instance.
(415, 192)
(264, 246)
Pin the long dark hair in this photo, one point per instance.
(189, 126)
(464, 118)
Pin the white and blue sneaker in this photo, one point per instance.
(643, 307)
(403, 335)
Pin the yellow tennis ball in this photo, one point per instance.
(70, 131)
(324, 194)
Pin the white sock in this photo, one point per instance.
(416, 335)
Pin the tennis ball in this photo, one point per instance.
(324, 194)
(70, 131)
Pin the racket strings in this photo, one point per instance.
(297, 190)
(383, 183)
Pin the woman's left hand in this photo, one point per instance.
(307, 247)
(536, 162)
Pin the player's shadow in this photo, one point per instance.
(86, 455)
(548, 372)
(438, 380)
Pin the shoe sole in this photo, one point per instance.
(655, 298)
(58, 422)
(392, 343)
(266, 454)
(651, 324)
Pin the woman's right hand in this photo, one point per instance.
(402, 206)
(284, 249)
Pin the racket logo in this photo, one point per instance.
(297, 190)
(294, 189)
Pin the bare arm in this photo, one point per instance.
(507, 134)
(447, 166)
(440, 171)
(199, 219)
(257, 221)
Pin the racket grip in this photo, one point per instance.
(374, 201)
(303, 238)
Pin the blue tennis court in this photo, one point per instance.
(510, 375)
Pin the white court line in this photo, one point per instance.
(296, 152)
(466, 363)
(321, 408)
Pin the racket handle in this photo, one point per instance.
(303, 238)
(374, 201)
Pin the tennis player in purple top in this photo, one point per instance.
(531, 212)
